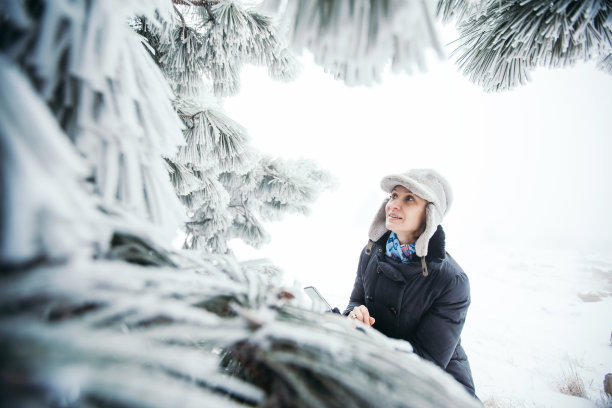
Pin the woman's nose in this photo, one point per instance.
(392, 203)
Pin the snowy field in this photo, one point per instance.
(536, 319)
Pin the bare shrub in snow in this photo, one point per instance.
(571, 383)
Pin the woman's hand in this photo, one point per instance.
(362, 314)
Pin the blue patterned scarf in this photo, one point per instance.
(397, 252)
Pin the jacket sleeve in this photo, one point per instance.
(437, 334)
(358, 294)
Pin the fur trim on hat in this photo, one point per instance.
(427, 184)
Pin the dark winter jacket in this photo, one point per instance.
(427, 311)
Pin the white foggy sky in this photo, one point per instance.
(528, 167)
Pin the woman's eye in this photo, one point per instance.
(410, 198)
(393, 196)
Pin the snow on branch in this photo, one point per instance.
(356, 40)
(287, 357)
(289, 186)
(106, 94)
(238, 36)
(42, 181)
(208, 332)
(124, 335)
(500, 47)
(183, 61)
(221, 140)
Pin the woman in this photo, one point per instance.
(407, 286)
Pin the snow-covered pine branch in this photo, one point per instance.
(501, 41)
(113, 334)
(289, 186)
(214, 140)
(212, 333)
(42, 179)
(501, 46)
(272, 188)
(202, 56)
(90, 89)
(238, 36)
(183, 61)
(287, 355)
(209, 219)
(355, 40)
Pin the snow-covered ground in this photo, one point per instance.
(537, 317)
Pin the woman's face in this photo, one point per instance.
(405, 213)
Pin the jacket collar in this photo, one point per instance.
(436, 248)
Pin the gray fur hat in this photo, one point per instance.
(427, 184)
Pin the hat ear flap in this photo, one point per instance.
(432, 220)
(378, 227)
